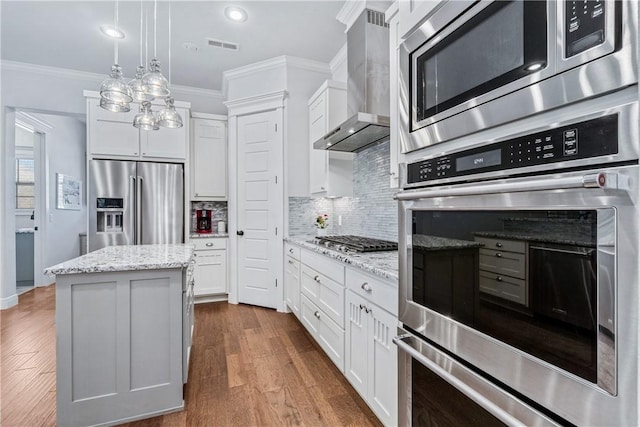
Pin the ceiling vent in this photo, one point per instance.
(223, 44)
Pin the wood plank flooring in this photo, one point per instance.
(249, 367)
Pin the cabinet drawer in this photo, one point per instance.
(325, 331)
(502, 244)
(500, 262)
(380, 292)
(207, 244)
(323, 264)
(292, 250)
(327, 294)
(209, 257)
(504, 287)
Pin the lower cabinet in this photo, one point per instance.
(325, 331)
(210, 272)
(371, 360)
(292, 284)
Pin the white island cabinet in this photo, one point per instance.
(124, 319)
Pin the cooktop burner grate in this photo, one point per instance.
(356, 243)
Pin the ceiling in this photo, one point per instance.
(65, 34)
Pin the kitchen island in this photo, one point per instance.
(124, 319)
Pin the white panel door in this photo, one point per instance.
(259, 208)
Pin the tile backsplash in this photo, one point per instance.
(219, 213)
(371, 212)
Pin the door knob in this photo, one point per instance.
(240, 233)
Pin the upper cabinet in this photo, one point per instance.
(330, 173)
(392, 17)
(112, 135)
(208, 157)
(413, 13)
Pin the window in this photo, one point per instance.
(25, 183)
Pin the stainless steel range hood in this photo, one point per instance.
(367, 87)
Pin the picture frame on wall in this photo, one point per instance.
(69, 192)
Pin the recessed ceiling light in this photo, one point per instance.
(235, 14)
(111, 31)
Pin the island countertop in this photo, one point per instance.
(127, 258)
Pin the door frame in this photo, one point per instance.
(246, 106)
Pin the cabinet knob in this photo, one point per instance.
(499, 255)
(317, 314)
(498, 244)
(290, 250)
(366, 287)
(317, 279)
(209, 244)
(499, 278)
(290, 262)
(322, 188)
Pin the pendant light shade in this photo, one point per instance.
(169, 117)
(135, 85)
(115, 89)
(154, 83)
(145, 120)
(115, 106)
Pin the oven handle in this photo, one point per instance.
(472, 386)
(605, 180)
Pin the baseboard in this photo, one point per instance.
(210, 298)
(8, 302)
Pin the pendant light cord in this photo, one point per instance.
(115, 42)
(141, 63)
(169, 74)
(155, 29)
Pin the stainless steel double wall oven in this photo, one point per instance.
(519, 224)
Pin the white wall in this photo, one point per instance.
(65, 153)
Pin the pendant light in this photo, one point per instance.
(154, 83)
(115, 94)
(145, 120)
(169, 117)
(136, 84)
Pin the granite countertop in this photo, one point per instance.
(383, 264)
(206, 236)
(127, 258)
(541, 238)
(435, 243)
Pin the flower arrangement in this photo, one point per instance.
(322, 221)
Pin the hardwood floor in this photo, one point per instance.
(249, 367)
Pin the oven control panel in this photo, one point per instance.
(591, 138)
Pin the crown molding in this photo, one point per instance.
(254, 104)
(24, 67)
(279, 62)
(339, 59)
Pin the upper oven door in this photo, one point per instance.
(532, 281)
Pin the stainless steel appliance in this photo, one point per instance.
(135, 203)
(519, 271)
(476, 65)
(350, 243)
(367, 87)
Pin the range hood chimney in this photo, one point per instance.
(367, 87)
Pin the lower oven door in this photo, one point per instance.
(435, 389)
(534, 282)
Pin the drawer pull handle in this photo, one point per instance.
(317, 279)
(209, 244)
(499, 255)
(498, 245)
(317, 314)
(290, 250)
(499, 278)
(366, 287)
(290, 262)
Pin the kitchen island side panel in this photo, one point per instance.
(119, 345)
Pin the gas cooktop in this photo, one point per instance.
(355, 243)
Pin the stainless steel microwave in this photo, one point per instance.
(474, 65)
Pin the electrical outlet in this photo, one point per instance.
(340, 220)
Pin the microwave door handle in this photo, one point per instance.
(594, 180)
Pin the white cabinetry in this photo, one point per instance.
(208, 157)
(370, 355)
(112, 135)
(292, 278)
(322, 303)
(210, 271)
(330, 173)
(414, 12)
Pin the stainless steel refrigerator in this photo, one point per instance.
(133, 203)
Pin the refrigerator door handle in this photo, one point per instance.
(134, 206)
(139, 210)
